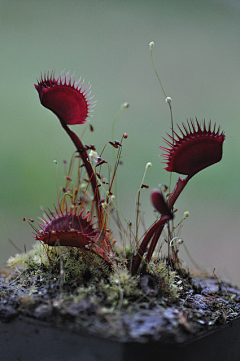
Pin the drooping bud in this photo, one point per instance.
(160, 204)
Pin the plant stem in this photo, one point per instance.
(155, 231)
(158, 226)
(83, 154)
(157, 74)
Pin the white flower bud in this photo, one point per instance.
(186, 214)
(104, 205)
(180, 241)
(148, 165)
(151, 45)
(93, 156)
(168, 100)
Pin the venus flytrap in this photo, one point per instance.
(193, 148)
(197, 147)
(71, 104)
(92, 270)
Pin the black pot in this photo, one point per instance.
(27, 339)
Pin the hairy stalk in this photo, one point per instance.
(124, 105)
(114, 120)
(157, 73)
(115, 169)
(137, 200)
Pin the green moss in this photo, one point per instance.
(73, 275)
(69, 262)
(169, 282)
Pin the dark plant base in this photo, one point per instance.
(28, 339)
(39, 322)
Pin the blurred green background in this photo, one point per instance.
(197, 54)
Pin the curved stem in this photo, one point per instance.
(154, 242)
(83, 154)
(180, 185)
(158, 226)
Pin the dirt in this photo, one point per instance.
(202, 304)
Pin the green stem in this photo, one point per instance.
(157, 74)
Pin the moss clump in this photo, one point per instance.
(86, 275)
(69, 264)
(168, 280)
(65, 287)
(34, 258)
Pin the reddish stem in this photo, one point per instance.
(155, 227)
(155, 231)
(83, 154)
(180, 185)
